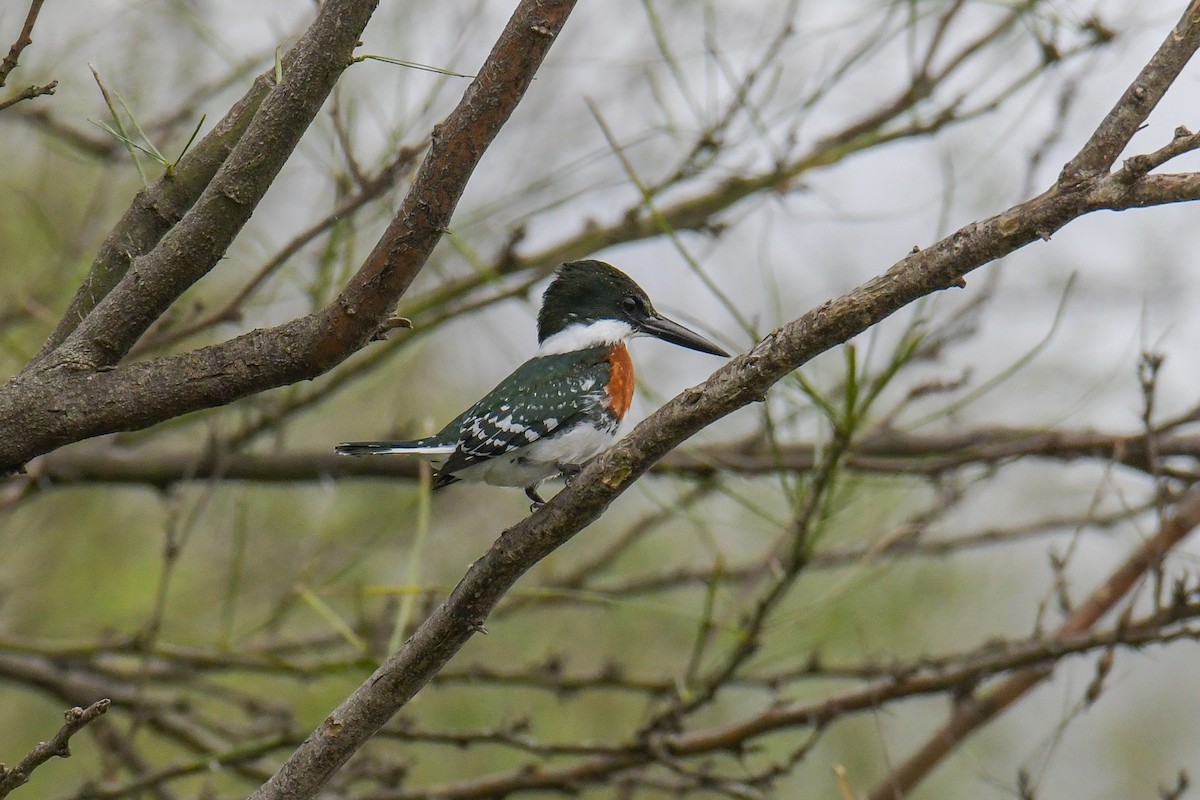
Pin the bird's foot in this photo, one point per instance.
(388, 325)
(568, 471)
(531, 492)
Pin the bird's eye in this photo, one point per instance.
(631, 304)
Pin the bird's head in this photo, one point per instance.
(590, 303)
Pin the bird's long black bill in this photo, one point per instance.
(662, 328)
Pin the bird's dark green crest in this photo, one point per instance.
(587, 291)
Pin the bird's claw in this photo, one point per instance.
(532, 493)
(568, 471)
(389, 325)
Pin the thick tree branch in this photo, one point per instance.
(155, 210)
(455, 149)
(369, 189)
(1155, 190)
(55, 404)
(192, 247)
(742, 381)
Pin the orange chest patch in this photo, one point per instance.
(620, 380)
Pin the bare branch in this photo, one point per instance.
(370, 188)
(456, 147)
(885, 453)
(296, 350)
(955, 675)
(744, 380)
(1134, 106)
(24, 39)
(154, 211)
(196, 243)
(57, 745)
(974, 712)
(29, 93)
(195, 705)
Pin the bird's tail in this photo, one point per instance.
(430, 448)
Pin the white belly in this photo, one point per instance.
(531, 465)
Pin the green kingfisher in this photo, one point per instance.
(561, 407)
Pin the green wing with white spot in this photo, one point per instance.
(543, 395)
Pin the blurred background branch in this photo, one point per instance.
(961, 504)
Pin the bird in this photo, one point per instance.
(563, 406)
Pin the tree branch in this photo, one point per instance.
(182, 696)
(888, 453)
(1139, 99)
(57, 745)
(24, 39)
(28, 93)
(455, 149)
(743, 380)
(371, 188)
(154, 211)
(953, 675)
(75, 398)
(974, 712)
(193, 246)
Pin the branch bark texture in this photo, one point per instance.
(81, 392)
(193, 246)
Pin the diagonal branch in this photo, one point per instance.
(195, 245)
(57, 745)
(68, 400)
(1126, 117)
(370, 188)
(24, 39)
(744, 380)
(154, 211)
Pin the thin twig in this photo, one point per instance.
(57, 745)
(24, 39)
(973, 712)
(29, 93)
